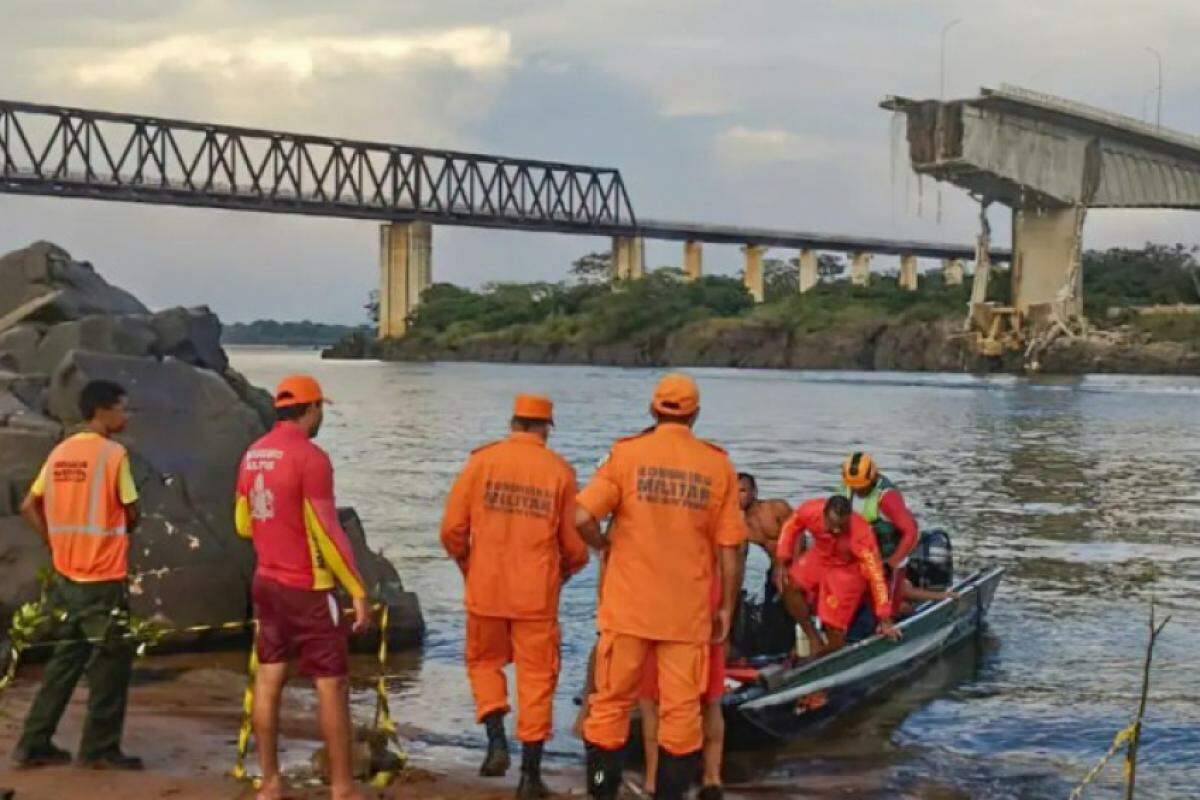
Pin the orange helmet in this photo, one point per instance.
(859, 471)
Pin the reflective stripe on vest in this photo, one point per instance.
(870, 507)
(95, 518)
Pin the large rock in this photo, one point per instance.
(23, 450)
(192, 335)
(22, 555)
(19, 345)
(43, 268)
(185, 422)
(130, 335)
(405, 623)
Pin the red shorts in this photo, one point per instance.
(716, 677)
(300, 622)
(834, 590)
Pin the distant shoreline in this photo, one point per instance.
(901, 347)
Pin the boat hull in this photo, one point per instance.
(778, 706)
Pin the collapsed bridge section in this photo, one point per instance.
(1049, 159)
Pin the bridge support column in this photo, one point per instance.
(908, 272)
(628, 257)
(809, 275)
(693, 260)
(860, 268)
(405, 271)
(953, 271)
(1046, 268)
(752, 275)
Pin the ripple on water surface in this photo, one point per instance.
(1085, 488)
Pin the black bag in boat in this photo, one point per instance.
(761, 628)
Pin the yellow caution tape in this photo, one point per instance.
(31, 620)
(243, 740)
(1120, 740)
(383, 723)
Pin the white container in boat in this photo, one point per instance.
(802, 648)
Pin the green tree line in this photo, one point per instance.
(592, 308)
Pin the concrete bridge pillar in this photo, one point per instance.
(908, 272)
(405, 271)
(809, 276)
(953, 271)
(860, 268)
(752, 275)
(629, 257)
(1046, 265)
(693, 258)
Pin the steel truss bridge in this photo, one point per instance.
(57, 151)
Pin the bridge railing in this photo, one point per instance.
(59, 151)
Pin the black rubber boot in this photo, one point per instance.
(531, 786)
(675, 775)
(603, 772)
(495, 763)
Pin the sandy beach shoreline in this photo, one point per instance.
(184, 713)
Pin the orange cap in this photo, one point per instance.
(534, 406)
(296, 389)
(676, 395)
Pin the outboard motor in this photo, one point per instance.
(931, 564)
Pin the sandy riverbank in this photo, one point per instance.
(183, 721)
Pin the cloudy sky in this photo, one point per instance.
(754, 112)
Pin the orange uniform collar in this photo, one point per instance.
(526, 436)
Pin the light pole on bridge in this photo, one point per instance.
(942, 58)
(1158, 114)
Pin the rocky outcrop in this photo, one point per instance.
(193, 416)
(904, 345)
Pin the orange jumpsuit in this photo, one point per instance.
(837, 572)
(510, 525)
(674, 500)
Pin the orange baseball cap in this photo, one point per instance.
(534, 406)
(297, 389)
(676, 395)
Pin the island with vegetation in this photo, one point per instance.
(1142, 305)
(291, 334)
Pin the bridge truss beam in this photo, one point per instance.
(67, 152)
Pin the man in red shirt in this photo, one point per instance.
(285, 504)
(835, 574)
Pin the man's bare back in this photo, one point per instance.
(765, 519)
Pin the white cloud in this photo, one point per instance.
(476, 49)
(745, 145)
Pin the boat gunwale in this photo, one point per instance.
(797, 684)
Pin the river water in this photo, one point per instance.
(1085, 489)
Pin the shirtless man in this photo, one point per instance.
(764, 519)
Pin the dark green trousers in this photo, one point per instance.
(108, 664)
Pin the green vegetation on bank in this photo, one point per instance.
(269, 331)
(589, 309)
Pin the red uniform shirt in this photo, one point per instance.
(285, 504)
(855, 549)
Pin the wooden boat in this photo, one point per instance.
(770, 700)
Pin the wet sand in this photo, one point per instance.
(183, 721)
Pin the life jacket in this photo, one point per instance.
(885, 532)
(84, 514)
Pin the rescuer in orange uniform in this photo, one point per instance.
(510, 525)
(676, 518)
(84, 503)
